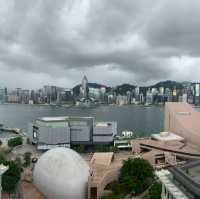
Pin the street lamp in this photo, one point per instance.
(3, 169)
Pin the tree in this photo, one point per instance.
(80, 148)
(11, 177)
(15, 142)
(27, 159)
(136, 175)
(155, 191)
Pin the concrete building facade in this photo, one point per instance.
(183, 120)
(169, 189)
(50, 132)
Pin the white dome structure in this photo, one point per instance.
(61, 173)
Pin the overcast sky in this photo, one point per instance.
(110, 41)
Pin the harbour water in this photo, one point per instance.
(140, 119)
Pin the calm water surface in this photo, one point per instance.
(140, 119)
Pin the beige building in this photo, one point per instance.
(183, 120)
(13, 99)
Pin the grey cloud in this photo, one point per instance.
(46, 36)
(175, 24)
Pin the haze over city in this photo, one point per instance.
(111, 42)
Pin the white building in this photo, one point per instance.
(121, 100)
(184, 98)
(61, 173)
(84, 87)
(94, 93)
(169, 189)
(167, 136)
(149, 97)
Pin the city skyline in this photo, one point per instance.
(111, 42)
(78, 83)
(88, 94)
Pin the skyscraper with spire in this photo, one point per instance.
(84, 87)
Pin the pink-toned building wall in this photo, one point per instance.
(184, 120)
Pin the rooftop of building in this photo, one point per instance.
(103, 124)
(167, 136)
(50, 119)
(63, 121)
(60, 119)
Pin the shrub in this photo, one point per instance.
(28, 141)
(136, 175)
(13, 142)
(80, 148)
(104, 148)
(27, 159)
(11, 177)
(114, 196)
(155, 191)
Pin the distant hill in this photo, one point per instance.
(122, 89)
(168, 84)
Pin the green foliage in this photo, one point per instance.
(116, 187)
(11, 177)
(124, 88)
(18, 161)
(136, 175)
(114, 196)
(155, 191)
(2, 157)
(15, 142)
(80, 148)
(104, 148)
(118, 191)
(27, 159)
(169, 84)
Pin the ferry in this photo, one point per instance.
(123, 141)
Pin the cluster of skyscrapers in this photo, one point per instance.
(45, 95)
(187, 92)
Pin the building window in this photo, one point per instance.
(165, 191)
(34, 134)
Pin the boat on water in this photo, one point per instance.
(125, 135)
(87, 103)
(123, 142)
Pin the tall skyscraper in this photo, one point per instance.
(84, 86)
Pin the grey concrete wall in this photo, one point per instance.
(30, 131)
(102, 139)
(106, 130)
(54, 135)
(80, 134)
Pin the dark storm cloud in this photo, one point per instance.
(175, 24)
(143, 40)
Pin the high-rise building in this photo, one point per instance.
(197, 91)
(149, 97)
(84, 87)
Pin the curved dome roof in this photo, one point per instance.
(61, 173)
